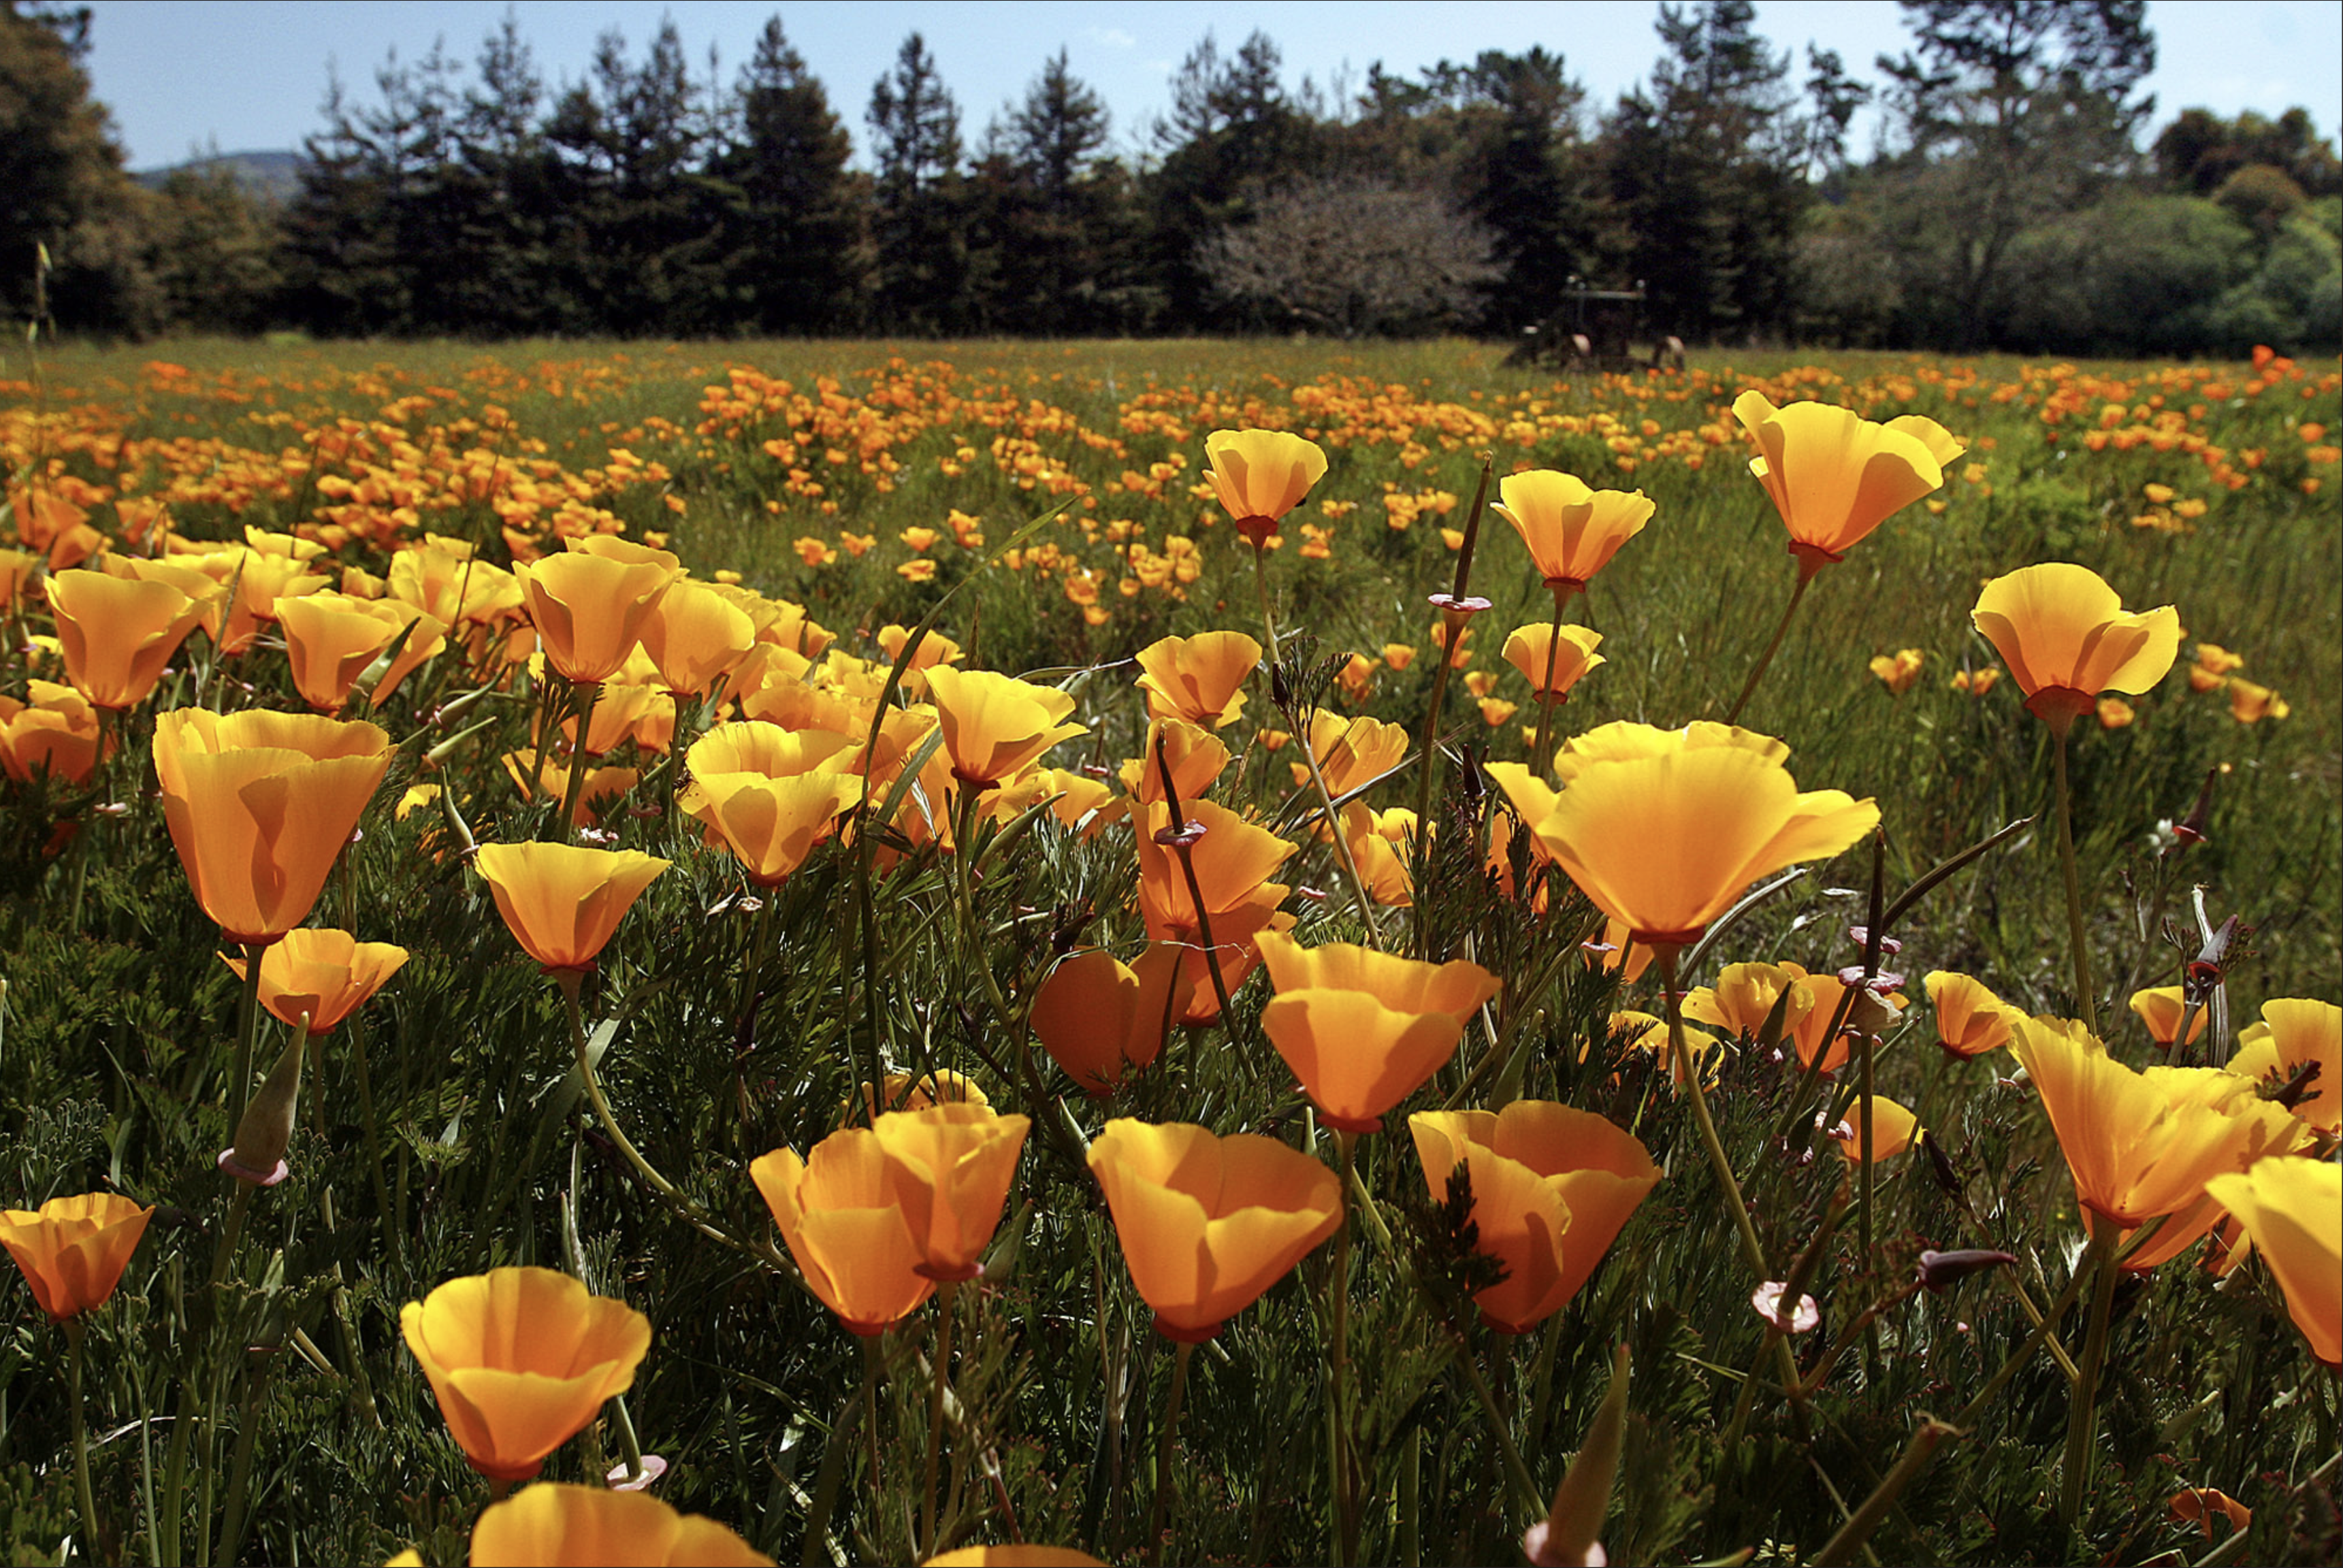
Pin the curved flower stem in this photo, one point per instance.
(1428, 763)
(1752, 1250)
(678, 1202)
(2086, 997)
(1531, 1499)
(585, 693)
(1309, 757)
(2082, 1420)
(947, 1295)
(1167, 1440)
(83, 1493)
(1764, 659)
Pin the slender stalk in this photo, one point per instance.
(1525, 1490)
(83, 1493)
(2082, 1421)
(587, 693)
(947, 1295)
(1542, 757)
(1428, 763)
(1166, 1441)
(872, 1358)
(1338, 1367)
(1752, 1250)
(1310, 759)
(248, 1017)
(1865, 1519)
(2086, 997)
(376, 1168)
(1764, 659)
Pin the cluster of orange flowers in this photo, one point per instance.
(790, 743)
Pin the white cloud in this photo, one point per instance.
(1113, 37)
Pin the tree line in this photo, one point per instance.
(2006, 204)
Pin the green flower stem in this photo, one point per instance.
(585, 693)
(376, 1167)
(1856, 1531)
(1338, 1368)
(677, 1200)
(2086, 997)
(1453, 623)
(1752, 1250)
(2082, 1420)
(1167, 1440)
(1310, 759)
(628, 1443)
(1542, 758)
(1526, 1489)
(248, 1019)
(83, 1493)
(947, 1295)
(1764, 659)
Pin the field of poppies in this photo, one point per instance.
(1192, 951)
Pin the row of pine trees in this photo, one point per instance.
(657, 198)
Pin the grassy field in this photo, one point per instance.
(868, 484)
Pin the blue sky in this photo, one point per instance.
(249, 75)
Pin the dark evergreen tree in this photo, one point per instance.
(62, 187)
(1057, 272)
(801, 257)
(1704, 176)
(921, 249)
(1523, 177)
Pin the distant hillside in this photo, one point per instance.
(273, 177)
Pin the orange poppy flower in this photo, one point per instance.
(2293, 1032)
(521, 1359)
(1536, 649)
(332, 639)
(1900, 672)
(2198, 1504)
(2293, 1208)
(1207, 1224)
(849, 1235)
(562, 903)
(1664, 841)
(56, 733)
(1260, 475)
(2250, 704)
(1551, 1187)
(590, 609)
(1099, 1019)
(1571, 529)
(1744, 997)
(554, 1524)
(2161, 1008)
(73, 1250)
(694, 634)
(259, 804)
(1361, 1030)
(1200, 679)
(321, 974)
(1970, 1019)
(118, 634)
(1233, 861)
(1894, 1130)
(1196, 758)
(1351, 753)
(2067, 637)
(770, 795)
(2142, 1144)
(995, 726)
(949, 1168)
(1834, 476)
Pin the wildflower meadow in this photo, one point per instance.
(1190, 952)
